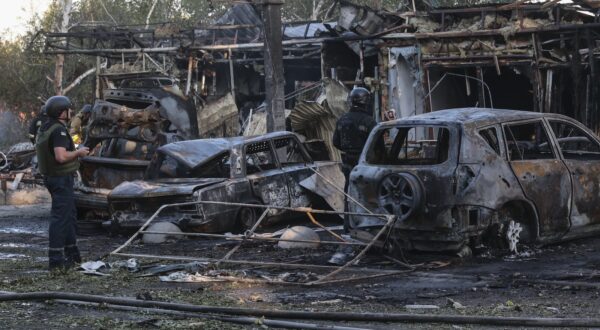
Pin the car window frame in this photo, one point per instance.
(454, 132)
(551, 140)
(577, 124)
(499, 134)
(305, 155)
(273, 154)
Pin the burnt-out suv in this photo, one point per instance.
(461, 176)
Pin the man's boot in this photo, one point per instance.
(72, 256)
(56, 260)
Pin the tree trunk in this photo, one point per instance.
(66, 7)
(317, 7)
(150, 14)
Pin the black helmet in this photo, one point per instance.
(359, 98)
(86, 108)
(43, 110)
(56, 105)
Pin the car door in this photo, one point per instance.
(295, 165)
(267, 180)
(581, 154)
(543, 177)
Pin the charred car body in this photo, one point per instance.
(124, 130)
(268, 170)
(454, 176)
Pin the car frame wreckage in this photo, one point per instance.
(273, 169)
(462, 176)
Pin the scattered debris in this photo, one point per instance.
(454, 304)
(342, 255)
(299, 233)
(161, 227)
(94, 268)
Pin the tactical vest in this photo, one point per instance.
(47, 164)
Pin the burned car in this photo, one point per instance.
(270, 169)
(461, 176)
(123, 132)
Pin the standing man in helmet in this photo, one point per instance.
(36, 123)
(352, 131)
(78, 124)
(58, 162)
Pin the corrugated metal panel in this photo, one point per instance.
(317, 119)
(315, 122)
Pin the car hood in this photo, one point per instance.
(163, 187)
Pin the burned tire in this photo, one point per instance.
(89, 228)
(400, 194)
(247, 216)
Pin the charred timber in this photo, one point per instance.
(497, 32)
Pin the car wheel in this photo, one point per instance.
(400, 194)
(509, 233)
(247, 216)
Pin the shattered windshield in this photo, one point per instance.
(414, 145)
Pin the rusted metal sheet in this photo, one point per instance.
(547, 183)
(110, 120)
(319, 186)
(316, 119)
(219, 118)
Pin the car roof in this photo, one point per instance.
(475, 116)
(193, 153)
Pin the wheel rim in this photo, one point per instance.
(513, 232)
(397, 196)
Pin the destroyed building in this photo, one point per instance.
(437, 55)
(540, 56)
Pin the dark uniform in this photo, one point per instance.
(36, 123)
(58, 179)
(351, 132)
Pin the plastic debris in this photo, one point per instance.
(94, 267)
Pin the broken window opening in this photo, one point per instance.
(259, 157)
(170, 168)
(490, 135)
(289, 152)
(527, 142)
(418, 145)
(219, 167)
(574, 143)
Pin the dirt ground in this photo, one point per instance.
(483, 285)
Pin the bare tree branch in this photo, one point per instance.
(150, 14)
(107, 13)
(330, 10)
(66, 7)
(78, 80)
(317, 9)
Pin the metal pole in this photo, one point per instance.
(98, 87)
(231, 75)
(274, 80)
(188, 84)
